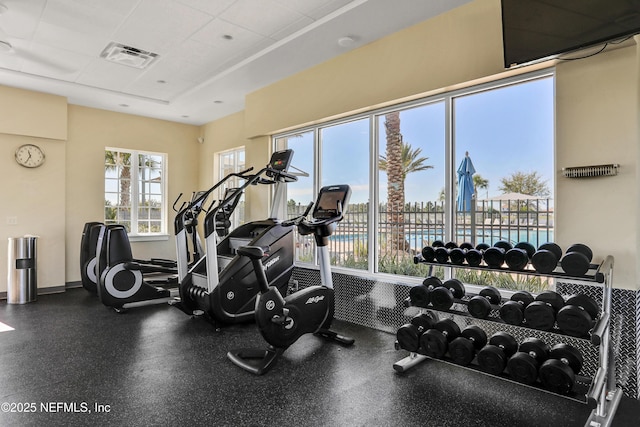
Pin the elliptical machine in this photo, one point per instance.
(221, 286)
(310, 310)
(157, 271)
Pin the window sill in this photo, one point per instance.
(148, 237)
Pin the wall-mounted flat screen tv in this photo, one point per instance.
(533, 30)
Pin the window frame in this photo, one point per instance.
(374, 115)
(133, 234)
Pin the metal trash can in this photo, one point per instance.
(22, 286)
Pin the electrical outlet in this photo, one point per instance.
(12, 220)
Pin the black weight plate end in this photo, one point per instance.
(556, 376)
(567, 354)
(457, 256)
(544, 261)
(437, 244)
(553, 247)
(504, 341)
(424, 321)
(535, 347)
(516, 258)
(575, 264)
(523, 368)
(441, 298)
(461, 351)
(476, 335)
(420, 295)
(528, 248)
(494, 257)
(442, 255)
(503, 244)
(582, 248)
(433, 281)
(492, 360)
(479, 307)
(586, 302)
(512, 313)
(474, 257)
(482, 246)
(456, 287)
(551, 297)
(540, 315)
(449, 328)
(428, 254)
(408, 337)
(433, 343)
(574, 321)
(523, 297)
(466, 246)
(491, 294)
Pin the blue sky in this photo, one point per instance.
(505, 130)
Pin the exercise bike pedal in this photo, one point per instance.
(334, 336)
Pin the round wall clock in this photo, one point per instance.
(29, 156)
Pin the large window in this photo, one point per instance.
(231, 161)
(402, 163)
(135, 190)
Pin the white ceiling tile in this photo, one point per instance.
(68, 39)
(292, 27)
(52, 62)
(101, 73)
(315, 9)
(21, 18)
(212, 35)
(81, 18)
(260, 16)
(158, 26)
(212, 7)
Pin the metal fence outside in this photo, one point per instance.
(514, 220)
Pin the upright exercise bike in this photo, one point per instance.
(310, 310)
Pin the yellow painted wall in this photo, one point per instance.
(90, 131)
(597, 123)
(226, 134)
(28, 113)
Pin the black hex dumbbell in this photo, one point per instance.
(434, 342)
(420, 295)
(541, 314)
(493, 357)
(408, 335)
(558, 373)
(494, 256)
(457, 255)
(523, 366)
(443, 297)
(512, 311)
(480, 305)
(577, 259)
(463, 349)
(518, 257)
(578, 316)
(546, 258)
(473, 256)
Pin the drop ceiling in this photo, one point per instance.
(189, 61)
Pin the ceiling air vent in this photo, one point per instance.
(127, 55)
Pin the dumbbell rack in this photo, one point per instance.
(602, 394)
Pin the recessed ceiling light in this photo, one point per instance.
(5, 47)
(346, 41)
(227, 37)
(123, 105)
(185, 115)
(217, 102)
(161, 81)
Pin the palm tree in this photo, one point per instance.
(479, 183)
(119, 161)
(400, 160)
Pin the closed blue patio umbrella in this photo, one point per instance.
(465, 184)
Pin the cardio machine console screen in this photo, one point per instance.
(327, 204)
(280, 160)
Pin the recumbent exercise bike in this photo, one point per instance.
(310, 310)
